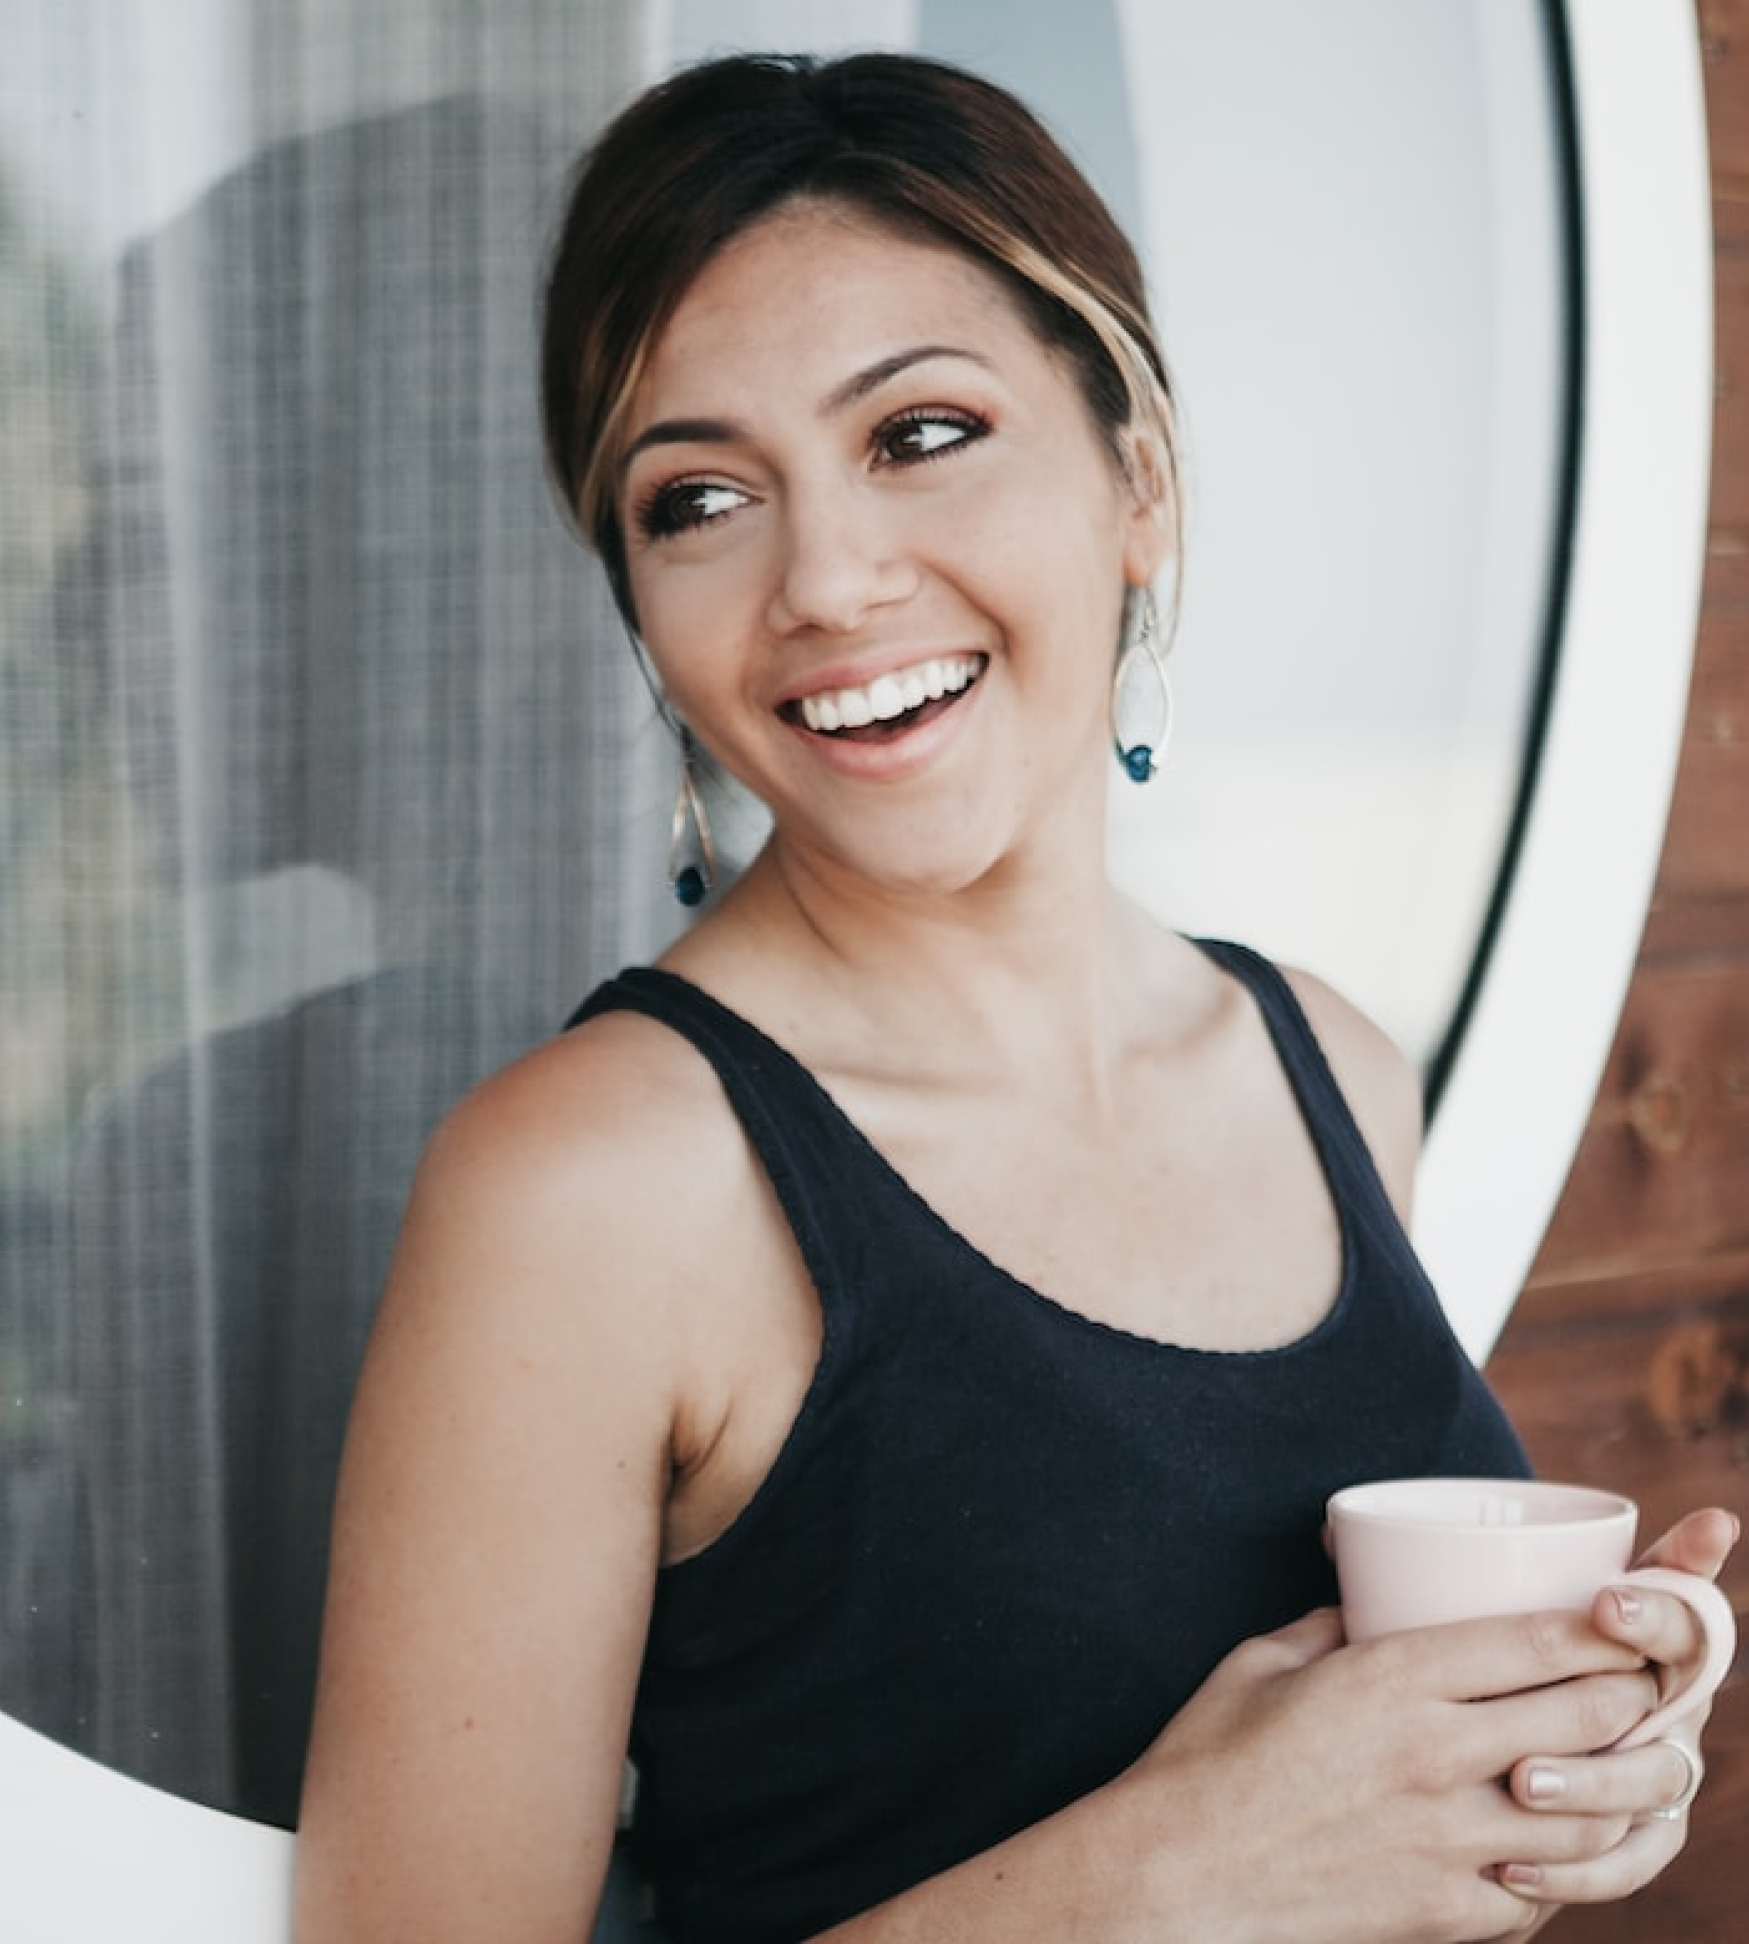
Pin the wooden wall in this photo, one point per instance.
(1627, 1359)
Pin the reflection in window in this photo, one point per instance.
(329, 786)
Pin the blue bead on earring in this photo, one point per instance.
(692, 857)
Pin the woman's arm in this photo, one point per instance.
(498, 1528)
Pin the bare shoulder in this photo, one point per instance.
(543, 1189)
(583, 1130)
(1378, 1080)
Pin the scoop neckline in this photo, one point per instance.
(1057, 1306)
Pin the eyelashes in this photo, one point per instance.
(681, 505)
(915, 437)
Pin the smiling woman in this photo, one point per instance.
(263, 973)
(1009, 1214)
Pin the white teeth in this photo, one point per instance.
(886, 698)
(889, 696)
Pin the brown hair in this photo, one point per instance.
(926, 148)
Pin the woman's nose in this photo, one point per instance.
(840, 559)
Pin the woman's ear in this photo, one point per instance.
(1151, 534)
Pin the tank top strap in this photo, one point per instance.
(1342, 1148)
(796, 1129)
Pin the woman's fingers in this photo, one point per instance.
(1662, 1625)
(1567, 1721)
(1658, 1780)
(1481, 1660)
(1687, 1630)
(1699, 1543)
(1613, 1821)
(1620, 1870)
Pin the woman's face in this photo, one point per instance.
(878, 548)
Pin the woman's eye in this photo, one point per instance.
(926, 435)
(685, 504)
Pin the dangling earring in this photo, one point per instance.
(1140, 691)
(692, 857)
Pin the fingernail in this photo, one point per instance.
(1627, 1605)
(1543, 1784)
(1525, 1875)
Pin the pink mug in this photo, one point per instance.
(1417, 1552)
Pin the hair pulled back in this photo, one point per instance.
(926, 148)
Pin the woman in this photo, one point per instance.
(888, 1362)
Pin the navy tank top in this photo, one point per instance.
(1003, 1542)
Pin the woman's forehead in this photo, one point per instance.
(821, 278)
(796, 232)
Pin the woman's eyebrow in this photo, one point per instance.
(870, 379)
(858, 386)
(681, 431)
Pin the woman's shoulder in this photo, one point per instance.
(544, 1231)
(586, 1126)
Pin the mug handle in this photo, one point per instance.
(1717, 1622)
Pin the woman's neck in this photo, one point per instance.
(848, 972)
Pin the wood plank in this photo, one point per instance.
(1715, 931)
(1706, 852)
(1575, 1303)
(1724, 45)
(1656, 1407)
(1662, 1172)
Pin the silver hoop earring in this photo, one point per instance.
(1141, 693)
(692, 857)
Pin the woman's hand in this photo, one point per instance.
(1651, 1786)
(1315, 1791)
(1312, 1793)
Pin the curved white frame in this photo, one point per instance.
(85, 1852)
(1503, 1139)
